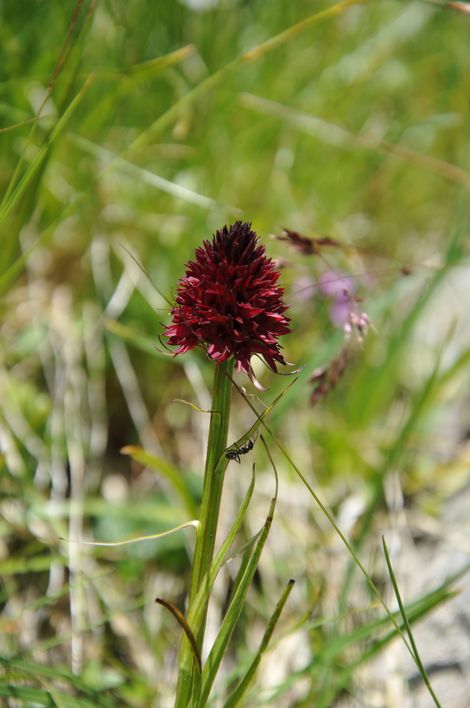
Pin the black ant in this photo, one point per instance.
(235, 454)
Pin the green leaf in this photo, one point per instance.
(251, 432)
(235, 608)
(132, 336)
(407, 625)
(207, 583)
(233, 613)
(242, 687)
(41, 697)
(31, 670)
(278, 40)
(200, 602)
(335, 649)
(392, 458)
(37, 564)
(329, 515)
(173, 476)
(11, 199)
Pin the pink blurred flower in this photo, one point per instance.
(339, 289)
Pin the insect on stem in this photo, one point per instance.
(235, 454)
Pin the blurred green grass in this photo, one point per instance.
(156, 129)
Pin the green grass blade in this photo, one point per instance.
(329, 515)
(72, 39)
(415, 611)
(339, 136)
(461, 362)
(16, 268)
(392, 458)
(233, 613)
(200, 602)
(8, 203)
(21, 565)
(247, 553)
(137, 539)
(377, 386)
(235, 608)
(127, 84)
(172, 475)
(220, 557)
(151, 133)
(242, 687)
(175, 190)
(31, 670)
(407, 626)
(259, 419)
(41, 697)
(133, 337)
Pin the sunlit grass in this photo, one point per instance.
(138, 128)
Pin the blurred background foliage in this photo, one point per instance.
(129, 132)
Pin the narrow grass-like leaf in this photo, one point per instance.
(29, 179)
(171, 474)
(32, 670)
(40, 697)
(338, 135)
(128, 83)
(16, 268)
(242, 687)
(71, 40)
(245, 547)
(233, 613)
(9, 202)
(195, 407)
(150, 178)
(461, 362)
(260, 417)
(22, 123)
(151, 133)
(200, 602)
(406, 623)
(220, 557)
(415, 611)
(158, 511)
(133, 337)
(235, 607)
(330, 517)
(392, 458)
(36, 564)
(137, 539)
(147, 275)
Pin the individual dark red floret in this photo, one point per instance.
(229, 301)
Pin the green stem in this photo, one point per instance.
(216, 464)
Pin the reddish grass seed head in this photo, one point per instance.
(229, 301)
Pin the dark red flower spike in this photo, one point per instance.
(229, 301)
